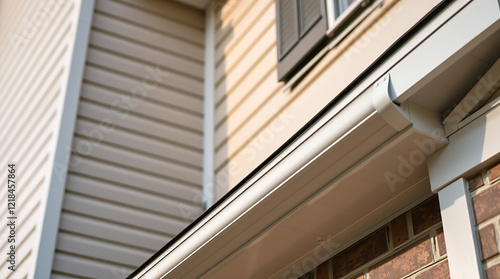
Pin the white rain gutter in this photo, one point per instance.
(365, 101)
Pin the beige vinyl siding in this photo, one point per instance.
(135, 178)
(34, 50)
(253, 115)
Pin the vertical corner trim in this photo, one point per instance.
(48, 225)
(208, 114)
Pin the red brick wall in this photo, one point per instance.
(410, 246)
(485, 192)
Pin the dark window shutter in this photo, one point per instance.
(310, 12)
(301, 25)
(287, 17)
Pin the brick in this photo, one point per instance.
(322, 271)
(487, 204)
(425, 215)
(440, 270)
(404, 262)
(440, 241)
(399, 231)
(475, 182)
(360, 253)
(489, 246)
(493, 272)
(494, 172)
(359, 276)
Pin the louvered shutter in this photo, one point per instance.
(310, 12)
(301, 25)
(288, 25)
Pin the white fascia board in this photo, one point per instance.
(462, 246)
(48, 226)
(478, 19)
(470, 149)
(208, 113)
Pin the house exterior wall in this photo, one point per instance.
(135, 171)
(485, 193)
(410, 246)
(254, 115)
(35, 42)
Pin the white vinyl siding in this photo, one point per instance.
(137, 182)
(34, 50)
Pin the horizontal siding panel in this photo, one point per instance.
(130, 197)
(41, 117)
(235, 128)
(149, 37)
(149, 75)
(122, 214)
(112, 232)
(151, 21)
(134, 179)
(257, 42)
(131, 85)
(244, 33)
(149, 145)
(231, 14)
(35, 82)
(21, 61)
(247, 99)
(243, 94)
(81, 267)
(165, 60)
(140, 162)
(182, 13)
(240, 74)
(98, 249)
(143, 107)
(140, 124)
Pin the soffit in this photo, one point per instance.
(450, 86)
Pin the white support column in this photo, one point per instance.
(464, 257)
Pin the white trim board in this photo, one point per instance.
(470, 149)
(51, 205)
(208, 114)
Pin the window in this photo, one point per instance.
(302, 28)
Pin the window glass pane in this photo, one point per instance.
(288, 25)
(310, 11)
(341, 6)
